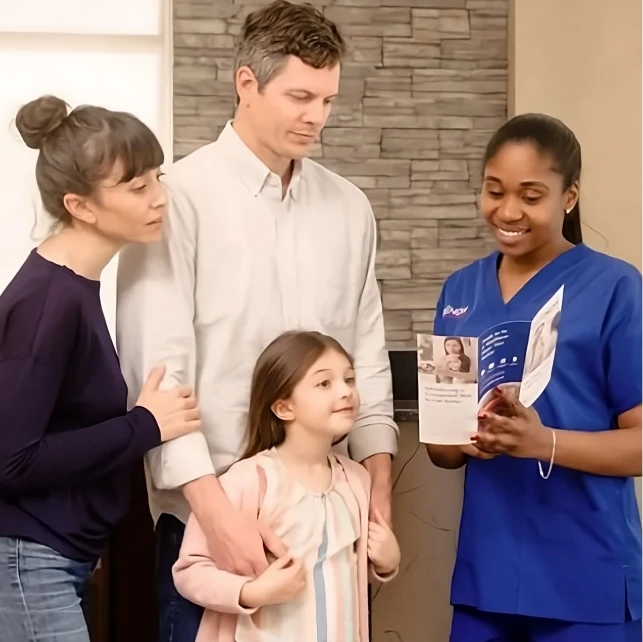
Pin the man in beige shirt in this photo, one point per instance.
(260, 240)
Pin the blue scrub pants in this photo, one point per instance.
(471, 625)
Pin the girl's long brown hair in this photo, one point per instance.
(280, 367)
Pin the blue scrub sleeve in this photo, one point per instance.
(622, 346)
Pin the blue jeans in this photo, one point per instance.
(41, 594)
(178, 619)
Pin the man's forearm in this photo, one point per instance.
(204, 494)
(234, 539)
(380, 468)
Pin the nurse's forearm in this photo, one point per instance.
(449, 457)
(609, 452)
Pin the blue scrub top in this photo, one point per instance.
(568, 547)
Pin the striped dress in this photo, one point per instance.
(322, 530)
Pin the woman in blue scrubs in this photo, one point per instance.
(550, 536)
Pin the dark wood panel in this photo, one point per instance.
(98, 602)
(132, 594)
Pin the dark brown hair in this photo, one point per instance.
(280, 367)
(80, 148)
(550, 136)
(281, 29)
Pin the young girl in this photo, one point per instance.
(550, 536)
(303, 400)
(66, 438)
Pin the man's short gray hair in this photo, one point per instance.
(281, 29)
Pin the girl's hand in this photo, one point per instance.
(383, 549)
(519, 433)
(282, 582)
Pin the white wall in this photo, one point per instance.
(119, 58)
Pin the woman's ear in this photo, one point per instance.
(571, 196)
(79, 208)
(282, 410)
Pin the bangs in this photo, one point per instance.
(126, 141)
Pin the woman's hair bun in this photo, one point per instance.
(38, 118)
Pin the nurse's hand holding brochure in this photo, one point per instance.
(457, 376)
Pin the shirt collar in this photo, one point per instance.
(252, 171)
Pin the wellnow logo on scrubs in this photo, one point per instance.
(456, 313)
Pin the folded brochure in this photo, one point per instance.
(457, 375)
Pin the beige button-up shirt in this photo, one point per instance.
(240, 264)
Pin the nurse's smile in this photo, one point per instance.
(511, 233)
(510, 239)
(507, 238)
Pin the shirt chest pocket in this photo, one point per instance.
(237, 275)
(332, 280)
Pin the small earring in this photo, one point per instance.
(568, 211)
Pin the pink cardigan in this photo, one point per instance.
(199, 580)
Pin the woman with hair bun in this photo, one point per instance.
(67, 440)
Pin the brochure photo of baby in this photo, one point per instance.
(543, 342)
(541, 349)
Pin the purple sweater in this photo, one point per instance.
(66, 439)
